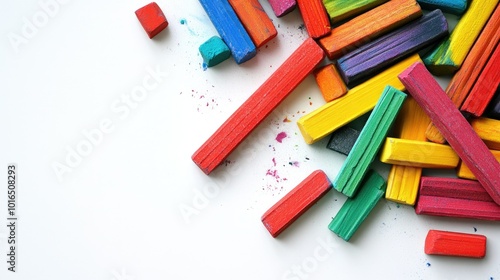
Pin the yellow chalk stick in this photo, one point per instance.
(488, 130)
(418, 154)
(403, 182)
(451, 53)
(358, 101)
(464, 171)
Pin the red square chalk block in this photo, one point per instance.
(152, 19)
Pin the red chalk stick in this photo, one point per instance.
(485, 87)
(296, 202)
(152, 19)
(315, 18)
(454, 127)
(457, 244)
(458, 198)
(258, 106)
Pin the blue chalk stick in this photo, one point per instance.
(230, 29)
(369, 59)
(456, 7)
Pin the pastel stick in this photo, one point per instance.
(456, 7)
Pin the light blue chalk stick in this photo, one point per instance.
(214, 51)
(230, 29)
(456, 7)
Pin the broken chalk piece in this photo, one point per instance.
(258, 25)
(456, 244)
(342, 140)
(454, 127)
(282, 7)
(214, 51)
(355, 210)
(456, 7)
(152, 19)
(296, 202)
(329, 82)
(339, 10)
(230, 29)
(258, 106)
(315, 18)
(369, 141)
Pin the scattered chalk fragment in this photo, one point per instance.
(214, 51)
(457, 244)
(329, 82)
(342, 140)
(152, 19)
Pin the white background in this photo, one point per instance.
(115, 214)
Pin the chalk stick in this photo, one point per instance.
(403, 181)
(464, 79)
(315, 18)
(493, 109)
(358, 101)
(214, 51)
(449, 55)
(370, 139)
(370, 58)
(418, 154)
(343, 139)
(282, 7)
(296, 202)
(152, 19)
(485, 87)
(369, 26)
(355, 210)
(230, 29)
(258, 106)
(465, 172)
(456, 7)
(330, 83)
(456, 244)
(453, 126)
(488, 130)
(255, 20)
(457, 198)
(340, 10)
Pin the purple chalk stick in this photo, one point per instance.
(282, 7)
(369, 59)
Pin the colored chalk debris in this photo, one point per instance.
(355, 210)
(258, 25)
(465, 172)
(315, 18)
(465, 78)
(454, 127)
(340, 10)
(282, 7)
(296, 202)
(370, 139)
(152, 19)
(230, 29)
(493, 109)
(456, 244)
(368, 26)
(330, 83)
(343, 139)
(358, 101)
(258, 106)
(418, 154)
(457, 198)
(214, 51)
(456, 7)
(450, 54)
(370, 58)
(403, 181)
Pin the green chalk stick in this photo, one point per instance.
(214, 51)
(369, 141)
(355, 210)
(339, 10)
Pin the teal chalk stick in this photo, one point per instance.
(355, 210)
(369, 141)
(456, 7)
(214, 51)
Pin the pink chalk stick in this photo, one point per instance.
(282, 7)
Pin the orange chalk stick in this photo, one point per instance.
(255, 20)
(330, 83)
(369, 26)
(258, 106)
(296, 202)
(465, 78)
(485, 87)
(457, 244)
(315, 18)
